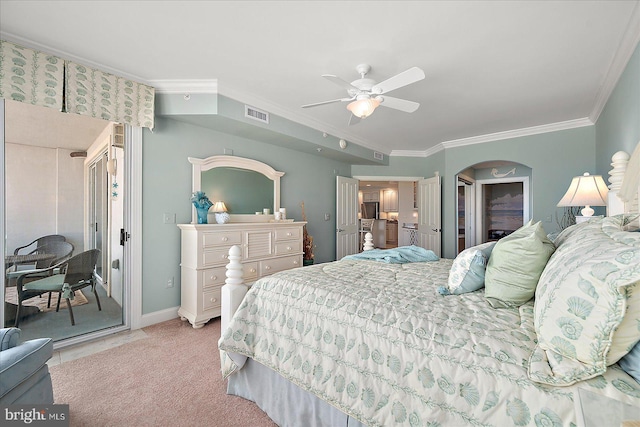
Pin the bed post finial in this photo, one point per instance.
(368, 242)
(234, 289)
(619, 161)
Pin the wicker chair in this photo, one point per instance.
(40, 241)
(75, 273)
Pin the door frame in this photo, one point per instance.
(132, 273)
(469, 185)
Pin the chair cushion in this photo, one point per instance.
(48, 284)
(19, 363)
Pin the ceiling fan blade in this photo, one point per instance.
(354, 120)
(342, 83)
(328, 102)
(399, 104)
(412, 75)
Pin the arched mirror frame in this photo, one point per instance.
(203, 165)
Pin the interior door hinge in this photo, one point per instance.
(124, 236)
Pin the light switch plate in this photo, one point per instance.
(169, 218)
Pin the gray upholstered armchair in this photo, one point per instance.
(24, 374)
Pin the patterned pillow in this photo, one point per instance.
(628, 332)
(467, 271)
(581, 299)
(516, 263)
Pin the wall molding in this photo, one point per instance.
(630, 40)
(158, 317)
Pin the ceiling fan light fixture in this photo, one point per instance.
(363, 107)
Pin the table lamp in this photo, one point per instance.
(220, 210)
(586, 190)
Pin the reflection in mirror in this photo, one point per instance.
(246, 186)
(243, 191)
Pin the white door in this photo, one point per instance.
(429, 215)
(346, 216)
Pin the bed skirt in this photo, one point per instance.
(284, 402)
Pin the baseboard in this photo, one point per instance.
(158, 316)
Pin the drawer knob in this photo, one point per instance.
(225, 239)
(225, 256)
(295, 262)
(213, 299)
(289, 234)
(288, 248)
(253, 270)
(268, 267)
(214, 277)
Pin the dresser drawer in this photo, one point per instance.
(288, 233)
(213, 277)
(271, 266)
(292, 247)
(211, 298)
(216, 238)
(215, 256)
(250, 271)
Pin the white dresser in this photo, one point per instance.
(266, 249)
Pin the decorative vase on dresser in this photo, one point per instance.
(267, 248)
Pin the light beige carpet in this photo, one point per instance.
(11, 296)
(170, 378)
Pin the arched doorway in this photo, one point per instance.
(493, 200)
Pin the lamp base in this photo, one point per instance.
(222, 217)
(587, 211)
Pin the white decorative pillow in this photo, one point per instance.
(628, 332)
(467, 270)
(581, 301)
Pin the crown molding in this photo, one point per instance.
(517, 133)
(415, 153)
(185, 86)
(497, 136)
(630, 40)
(68, 56)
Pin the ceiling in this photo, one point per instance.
(492, 67)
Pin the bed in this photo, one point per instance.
(362, 342)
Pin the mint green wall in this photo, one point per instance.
(618, 127)
(404, 166)
(554, 158)
(166, 188)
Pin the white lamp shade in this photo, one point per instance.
(586, 190)
(363, 107)
(219, 207)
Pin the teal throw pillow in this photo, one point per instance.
(468, 269)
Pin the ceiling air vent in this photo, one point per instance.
(255, 114)
(378, 156)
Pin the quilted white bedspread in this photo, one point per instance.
(379, 343)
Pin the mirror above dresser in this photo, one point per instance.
(246, 186)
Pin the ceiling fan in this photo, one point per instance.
(365, 95)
